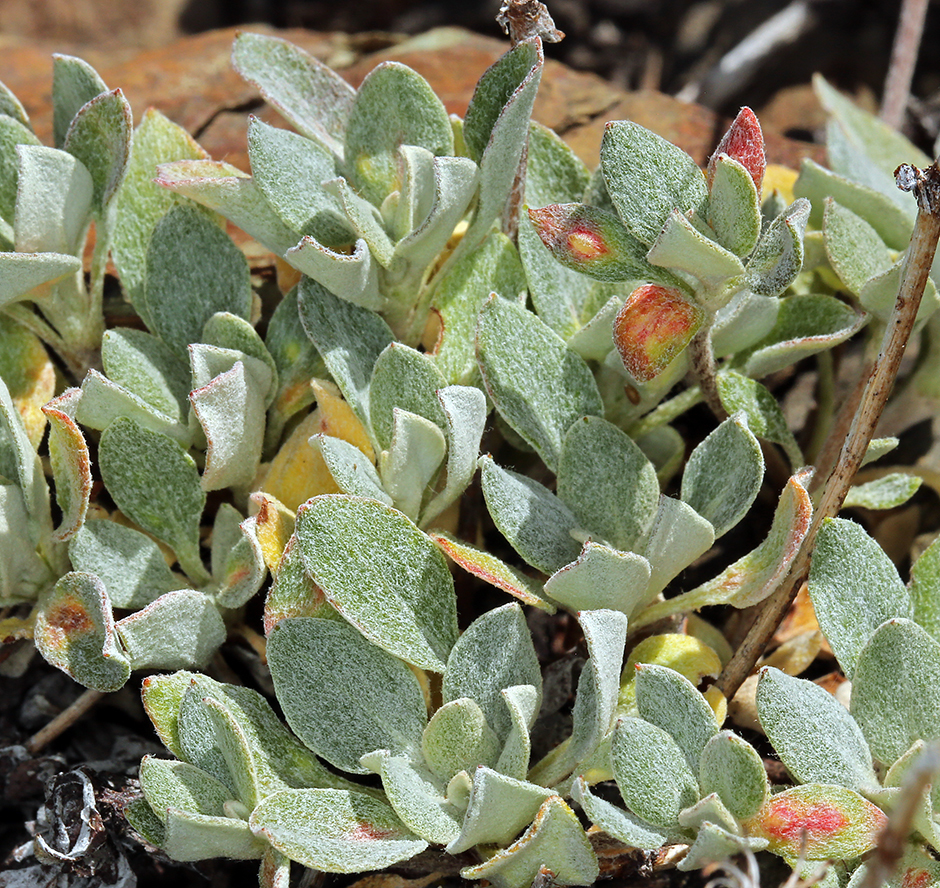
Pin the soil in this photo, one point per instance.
(635, 56)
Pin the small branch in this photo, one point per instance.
(63, 721)
(926, 187)
(903, 61)
(703, 370)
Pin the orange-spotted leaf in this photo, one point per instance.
(744, 142)
(71, 466)
(593, 241)
(655, 324)
(837, 822)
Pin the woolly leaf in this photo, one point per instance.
(391, 581)
(21, 273)
(377, 705)
(71, 465)
(616, 822)
(193, 271)
(652, 772)
(522, 701)
(854, 588)
(129, 563)
(180, 786)
(351, 468)
(925, 589)
(540, 387)
(394, 106)
(412, 460)
(601, 577)
(894, 689)
(778, 257)
(75, 632)
(724, 474)
(199, 836)
(308, 95)
(494, 652)
(813, 734)
(734, 205)
(458, 738)
(555, 840)
(156, 484)
(744, 143)
(677, 537)
(855, 250)
(732, 768)
(607, 481)
(837, 823)
(12, 133)
(74, 83)
(530, 516)
(336, 831)
(648, 177)
(887, 492)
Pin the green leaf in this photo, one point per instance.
(21, 273)
(458, 738)
(648, 177)
(838, 824)
(193, 271)
(854, 588)
(179, 629)
(539, 386)
(75, 633)
(732, 768)
(620, 824)
(53, 201)
(745, 320)
(71, 465)
(855, 250)
(925, 589)
(778, 257)
(554, 173)
(813, 734)
(534, 521)
(678, 536)
(156, 484)
(493, 267)
(563, 298)
(734, 206)
(817, 183)
(290, 171)
(555, 840)
(335, 831)
(146, 366)
(378, 704)
(412, 460)
(492, 570)
(805, 326)
(495, 652)
(308, 95)
(406, 379)
(129, 563)
(12, 133)
(382, 574)
(199, 836)
(100, 137)
(724, 474)
(141, 203)
(162, 696)
(652, 772)
(11, 106)
(181, 786)
(522, 701)
(595, 242)
(607, 481)
(601, 577)
(416, 795)
(887, 492)
(496, 129)
(764, 416)
(670, 701)
(394, 106)
(499, 808)
(74, 83)
(230, 409)
(237, 560)
(895, 687)
(349, 338)
(680, 245)
(351, 469)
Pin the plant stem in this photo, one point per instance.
(63, 721)
(926, 188)
(903, 60)
(703, 370)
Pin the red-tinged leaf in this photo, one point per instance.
(590, 240)
(71, 465)
(837, 822)
(655, 324)
(490, 569)
(744, 142)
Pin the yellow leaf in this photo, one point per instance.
(274, 523)
(780, 178)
